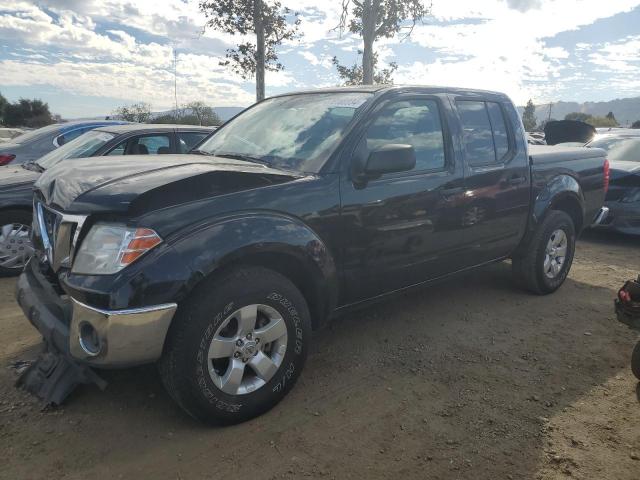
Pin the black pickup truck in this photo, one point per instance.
(218, 266)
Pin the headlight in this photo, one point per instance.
(108, 248)
(631, 197)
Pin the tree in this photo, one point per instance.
(194, 113)
(138, 112)
(612, 118)
(3, 104)
(353, 75)
(636, 124)
(267, 20)
(203, 113)
(578, 116)
(373, 19)
(529, 116)
(27, 113)
(592, 120)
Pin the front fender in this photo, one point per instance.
(211, 247)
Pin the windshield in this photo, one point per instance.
(296, 132)
(83, 146)
(620, 149)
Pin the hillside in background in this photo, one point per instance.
(224, 113)
(626, 110)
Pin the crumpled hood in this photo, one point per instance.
(141, 183)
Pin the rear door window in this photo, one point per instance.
(143, 145)
(70, 135)
(485, 133)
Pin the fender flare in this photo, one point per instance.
(562, 190)
(253, 237)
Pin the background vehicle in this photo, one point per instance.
(34, 144)
(7, 134)
(623, 197)
(16, 182)
(218, 266)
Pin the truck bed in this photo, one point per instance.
(544, 154)
(549, 164)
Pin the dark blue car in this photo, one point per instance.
(32, 145)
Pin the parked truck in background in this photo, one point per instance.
(219, 266)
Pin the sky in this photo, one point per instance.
(87, 57)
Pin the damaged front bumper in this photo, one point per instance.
(78, 336)
(93, 336)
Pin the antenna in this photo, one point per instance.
(175, 81)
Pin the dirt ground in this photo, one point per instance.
(470, 378)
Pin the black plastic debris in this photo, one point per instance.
(628, 304)
(52, 377)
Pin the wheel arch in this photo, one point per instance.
(562, 193)
(283, 244)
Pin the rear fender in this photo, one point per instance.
(563, 192)
(562, 188)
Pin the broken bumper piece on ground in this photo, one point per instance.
(53, 376)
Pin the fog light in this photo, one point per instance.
(89, 339)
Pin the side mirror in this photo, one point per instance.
(390, 158)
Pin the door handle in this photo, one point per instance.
(516, 180)
(448, 192)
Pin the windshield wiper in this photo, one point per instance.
(200, 152)
(241, 156)
(33, 166)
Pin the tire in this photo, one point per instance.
(530, 269)
(216, 309)
(15, 242)
(635, 361)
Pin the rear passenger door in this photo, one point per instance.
(495, 208)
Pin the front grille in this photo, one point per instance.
(58, 233)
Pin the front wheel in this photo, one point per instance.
(237, 346)
(544, 267)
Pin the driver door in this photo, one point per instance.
(396, 227)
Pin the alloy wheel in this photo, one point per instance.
(555, 253)
(247, 349)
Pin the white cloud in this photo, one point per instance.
(124, 48)
(504, 47)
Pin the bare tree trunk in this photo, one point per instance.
(369, 18)
(260, 47)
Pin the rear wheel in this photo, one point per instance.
(237, 346)
(544, 267)
(15, 241)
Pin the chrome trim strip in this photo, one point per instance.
(601, 216)
(127, 311)
(61, 248)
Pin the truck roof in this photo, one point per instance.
(380, 89)
(131, 127)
